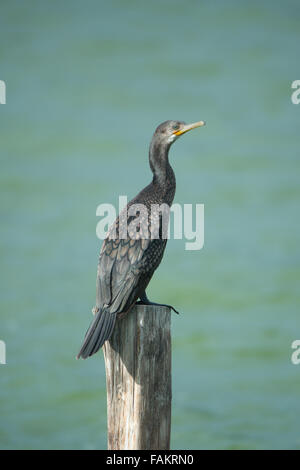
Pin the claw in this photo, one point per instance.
(142, 302)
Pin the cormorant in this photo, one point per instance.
(129, 257)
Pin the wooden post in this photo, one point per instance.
(138, 379)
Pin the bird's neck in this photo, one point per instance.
(163, 174)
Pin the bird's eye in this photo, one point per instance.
(175, 127)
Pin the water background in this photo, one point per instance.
(87, 83)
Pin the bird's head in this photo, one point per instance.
(167, 132)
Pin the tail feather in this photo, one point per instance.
(105, 333)
(99, 331)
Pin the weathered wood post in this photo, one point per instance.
(138, 379)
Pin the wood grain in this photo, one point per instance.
(138, 379)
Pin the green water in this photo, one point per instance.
(87, 83)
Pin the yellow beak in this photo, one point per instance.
(189, 127)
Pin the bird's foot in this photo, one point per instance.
(148, 302)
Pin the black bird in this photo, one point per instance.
(135, 243)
